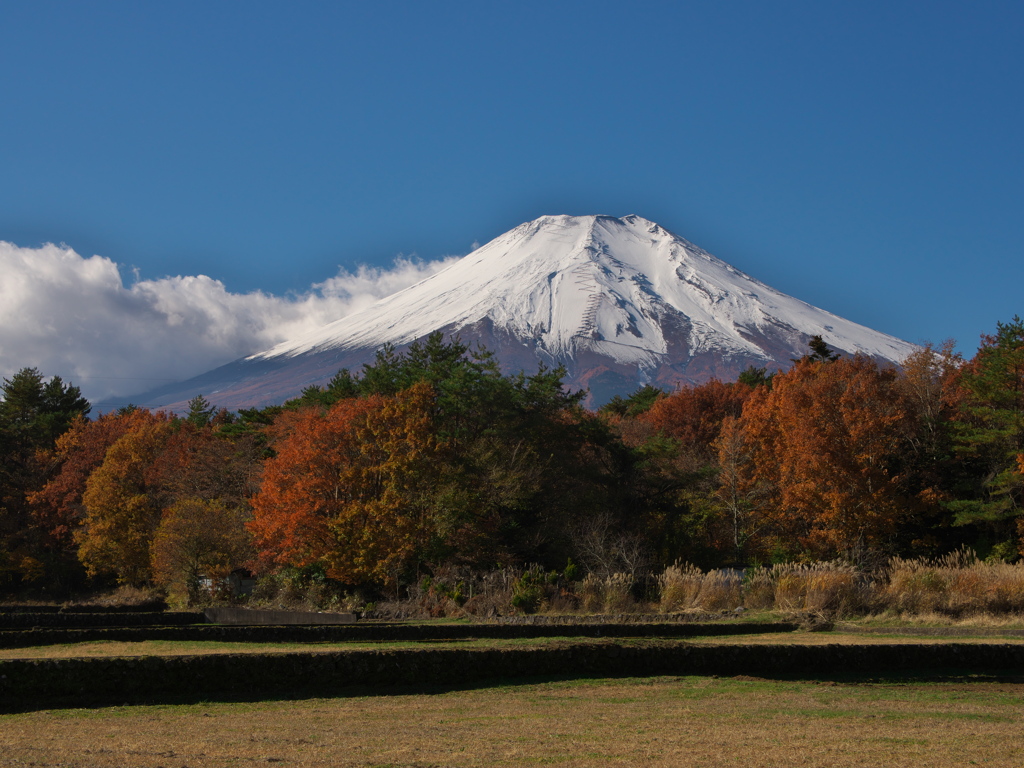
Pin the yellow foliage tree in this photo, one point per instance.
(198, 538)
(387, 515)
(121, 513)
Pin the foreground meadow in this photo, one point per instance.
(662, 721)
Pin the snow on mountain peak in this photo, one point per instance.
(622, 288)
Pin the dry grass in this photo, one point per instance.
(841, 638)
(956, 585)
(933, 619)
(655, 722)
(204, 648)
(612, 594)
(679, 586)
(120, 597)
(684, 587)
(826, 587)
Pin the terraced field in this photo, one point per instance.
(849, 715)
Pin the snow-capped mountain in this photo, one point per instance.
(619, 302)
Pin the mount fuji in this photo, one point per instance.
(620, 302)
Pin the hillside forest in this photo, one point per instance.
(433, 459)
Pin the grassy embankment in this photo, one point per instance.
(887, 633)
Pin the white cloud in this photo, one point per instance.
(74, 317)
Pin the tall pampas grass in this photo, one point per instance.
(612, 594)
(953, 586)
(685, 587)
(958, 584)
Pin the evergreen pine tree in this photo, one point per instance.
(990, 433)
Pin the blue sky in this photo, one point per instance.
(865, 157)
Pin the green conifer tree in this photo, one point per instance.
(989, 435)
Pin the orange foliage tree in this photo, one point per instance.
(57, 506)
(112, 479)
(301, 489)
(826, 453)
(388, 517)
(350, 488)
(200, 462)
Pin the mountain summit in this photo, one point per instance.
(619, 302)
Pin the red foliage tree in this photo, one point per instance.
(694, 415)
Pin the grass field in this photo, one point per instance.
(203, 647)
(689, 721)
(658, 721)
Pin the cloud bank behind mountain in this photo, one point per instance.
(78, 318)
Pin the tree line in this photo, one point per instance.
(433, 458)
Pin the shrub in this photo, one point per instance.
(528, 590)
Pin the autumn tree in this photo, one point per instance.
(349, 488)
(828, 443)
(188, 461)
(511, 464)
(693, 416)
(57, 507)
(122, 510)
(1020, 520)
(929, 378)
(739, 492)
(386, 518)
(206, 462)
(518, 461)
(301, 490)
(197, 539)
(677, 469)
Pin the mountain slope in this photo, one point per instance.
(619, 302)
